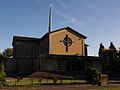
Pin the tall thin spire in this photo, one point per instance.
(50, 19)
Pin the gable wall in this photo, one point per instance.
(57, 47)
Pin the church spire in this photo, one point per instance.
(50, 19)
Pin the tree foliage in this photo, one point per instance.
(93, 75)
(110, 56)
(101, 48)
(8, 52)
(2, 74)
(1, 56)
(112, 46)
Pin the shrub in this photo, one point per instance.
(93, 75)
(2, 74)
(1, 56)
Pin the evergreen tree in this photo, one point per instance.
(101, 48)
(112, 46)
(110, 61)
(112, 51)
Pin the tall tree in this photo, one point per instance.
(110, 57)
(101, 48)
(112, 46)
(8, 52)
(113, 51)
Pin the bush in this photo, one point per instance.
(2, 74)
(93, 75)
(1, 56)
(2, 81)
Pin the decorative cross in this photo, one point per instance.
(67, 42)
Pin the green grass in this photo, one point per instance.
(45, 82)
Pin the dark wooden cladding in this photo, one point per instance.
(30, 47)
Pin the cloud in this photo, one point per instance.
(68, 19)
(72, 20)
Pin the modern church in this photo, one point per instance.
(59, 50)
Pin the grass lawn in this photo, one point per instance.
(44, 82)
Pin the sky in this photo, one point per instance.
(99, 20)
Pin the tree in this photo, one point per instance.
(2, 74)
(8, 52)
(93, 75)
(101, 48)
(113, 52)
(1, 56)
(110, 61)
(2, 71)
(112, 46)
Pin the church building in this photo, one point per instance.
(59, 50)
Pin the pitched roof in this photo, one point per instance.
(38, 39)
(24, 38)
(68, 28)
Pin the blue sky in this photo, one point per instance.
(99, 20)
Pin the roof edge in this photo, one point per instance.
(69, 28)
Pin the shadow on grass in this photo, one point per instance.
(115, 82)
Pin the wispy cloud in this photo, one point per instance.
(72, 20)
(68, 19)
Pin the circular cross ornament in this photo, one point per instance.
(67, 41)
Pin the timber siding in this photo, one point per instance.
(26, 48)
(44, 45)
(30, 47)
